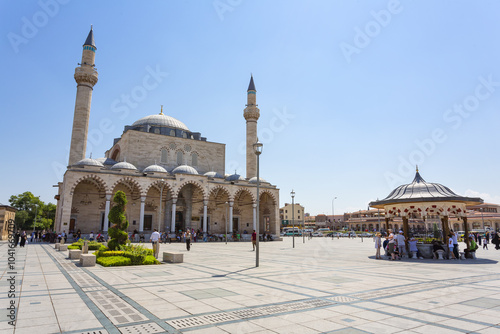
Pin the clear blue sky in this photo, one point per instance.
(352, 94)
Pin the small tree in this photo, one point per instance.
(116, 216)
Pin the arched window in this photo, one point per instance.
(164, 154)
(172, 133)
(157, 130)
(194, 160)
(184, 135)
(179, 157)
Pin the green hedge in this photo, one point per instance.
(113, 261)
(93, 245)
(150, 259)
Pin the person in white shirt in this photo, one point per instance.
(450, 247)
(400, 239)
(155, 237)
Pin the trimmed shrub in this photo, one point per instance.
(117, 217)
(113, 261)
(74, 247)
(150, 259)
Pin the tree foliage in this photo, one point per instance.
(116, 216)
(32, 210)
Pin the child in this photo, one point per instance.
(485, 243)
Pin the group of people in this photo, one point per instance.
(394, 245)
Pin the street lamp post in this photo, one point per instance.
(225, 223)
(161, 199)
(293, 223)
(333, 212)
(482, 217)
(257, 148)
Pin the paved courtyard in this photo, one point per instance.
(320, 286)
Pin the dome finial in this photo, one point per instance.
(417, 168)
(161, 112)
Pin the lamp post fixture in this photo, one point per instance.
(225, 223)
(161, 199)
(293, 223)
(333, 212)
(257, 148)
(36, 214)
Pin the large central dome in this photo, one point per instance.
(161, 120)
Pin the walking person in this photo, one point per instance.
(188, 240)
(155, 237)
(485, 243)
(451, 255)
(378, 244)
(454, 236)
(254, 239)
(24, 237)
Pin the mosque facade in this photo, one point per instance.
(173, 177)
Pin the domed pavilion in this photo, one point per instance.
(421, 199)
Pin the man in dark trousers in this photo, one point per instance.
(254, 239)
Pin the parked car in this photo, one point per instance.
(317, 234)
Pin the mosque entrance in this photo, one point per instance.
(148, 222)
(180, 225)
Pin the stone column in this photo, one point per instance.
(231, 217)
(174, 205)
(205, 203)
(106, 212)
(254, 216)
(141, 217)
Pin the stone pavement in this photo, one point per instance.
(320, 286)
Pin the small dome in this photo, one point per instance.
(214, 175)
(254, 180)
(107, 161)
(89, 162)
(184, 169)
(234, 177)
(124, 165)
(161, 120)
(154, 169)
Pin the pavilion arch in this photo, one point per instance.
(96, 180)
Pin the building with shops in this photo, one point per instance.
(174, 178)
(292, 215)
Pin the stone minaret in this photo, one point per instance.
(251, 114)
(86, 78)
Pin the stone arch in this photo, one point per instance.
(265, 191)
(96, 180)
(157, 184)
(217, 189)
(243, 190)
(130, 183)
(115, 154)
(193, 182)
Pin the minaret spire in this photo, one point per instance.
(85, 77)
(251, 114)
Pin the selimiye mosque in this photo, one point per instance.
(174, 178)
